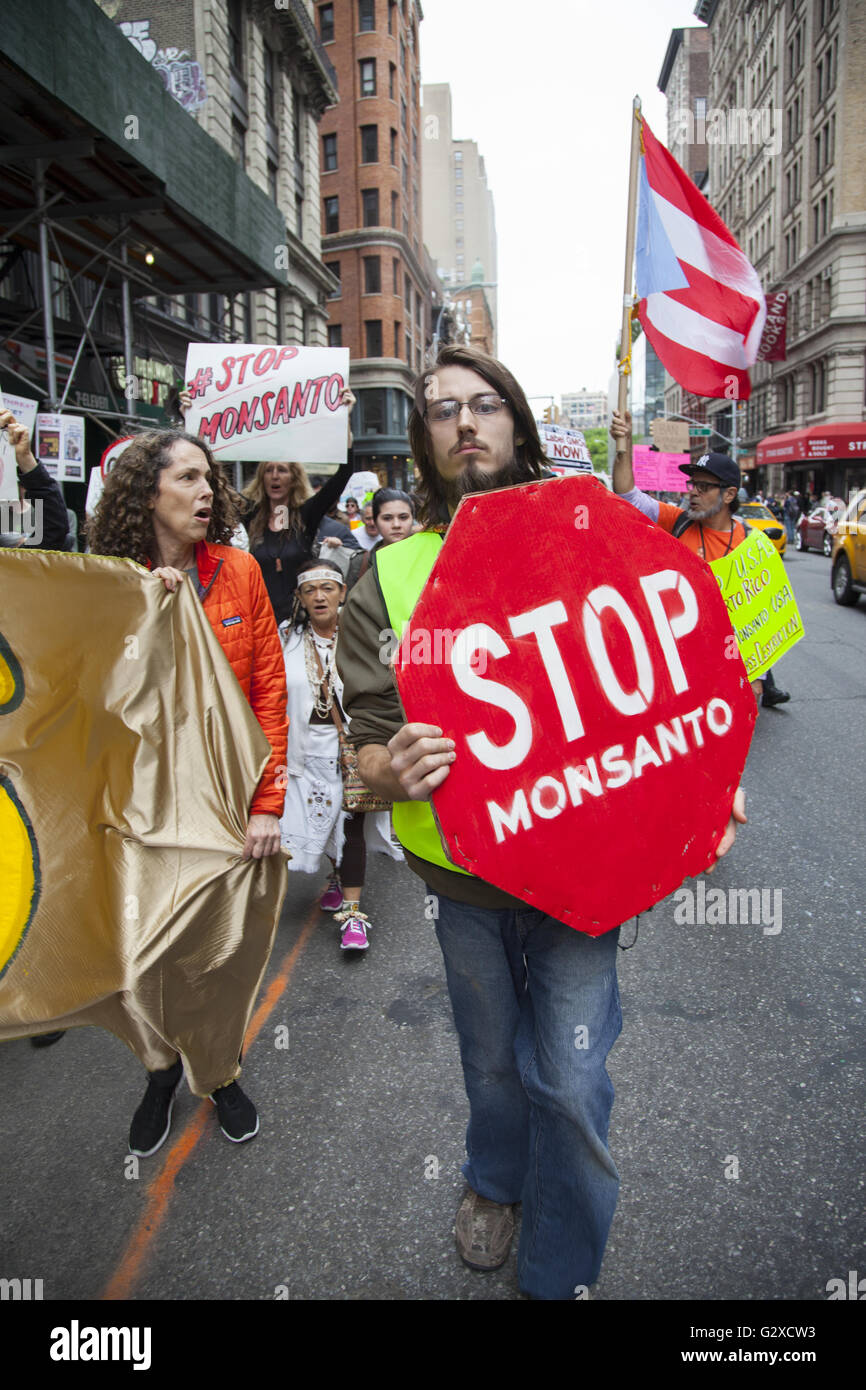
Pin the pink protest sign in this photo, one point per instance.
(658, 472)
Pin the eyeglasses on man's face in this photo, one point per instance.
(484, 404)
(693, 486)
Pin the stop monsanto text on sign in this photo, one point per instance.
(256, 402)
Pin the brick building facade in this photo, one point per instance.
(786, 100)
(370, 205)
(255, 77)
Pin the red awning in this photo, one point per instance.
(840, 441)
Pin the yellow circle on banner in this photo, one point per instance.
(18, 873)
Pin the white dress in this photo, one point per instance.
(313, 820)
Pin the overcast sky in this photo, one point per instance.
(546, 90)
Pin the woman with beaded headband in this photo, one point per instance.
(314, 821)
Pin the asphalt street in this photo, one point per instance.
(737, 1128)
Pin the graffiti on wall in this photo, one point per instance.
(182, 75)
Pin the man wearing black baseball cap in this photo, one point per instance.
(707, 526)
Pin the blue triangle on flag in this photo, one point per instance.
(656, 266)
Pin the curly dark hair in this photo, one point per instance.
(529, 460)
(122, 524)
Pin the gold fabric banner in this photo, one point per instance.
(128, 760)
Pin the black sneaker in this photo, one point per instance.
(237, 1114)
(775, 696)
(47, 1039)
(152, 1120)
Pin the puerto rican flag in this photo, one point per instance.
(701, 302)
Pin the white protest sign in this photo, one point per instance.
(264, 403)
(566, 448)
(60, 446)
(360, 484)
(24, 411)
(96, 481)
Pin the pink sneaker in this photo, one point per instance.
(354, 934)
(332, 898)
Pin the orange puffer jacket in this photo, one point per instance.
(236, 602)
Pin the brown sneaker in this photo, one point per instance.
(483, 1230)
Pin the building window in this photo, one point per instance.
(299, 216)
(373, 335)
(392, 82)
(366, 16)
(818, 387)
(239, 143)
(270, 85)
(405, 176)
(326, 23)
(372, 275)
(332, 216)
(329, 153)
(396, 265)
(392, 19)
(334, 267)
(335, 335)
(396, 339)
(394, 148)
(370, 205)
(369, 144)
(404, 117)
(367, 70)
(414, 144)
(272, 181)
(373, 411)
(458, 156)
(408, 342)
(236, 36)
(395, 205)
(408, 283)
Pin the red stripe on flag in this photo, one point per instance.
(715, 301)
(673, 183)
(694, 371)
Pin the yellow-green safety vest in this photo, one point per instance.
(402, 571)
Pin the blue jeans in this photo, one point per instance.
(536, 1006)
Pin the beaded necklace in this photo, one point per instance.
(321, 682)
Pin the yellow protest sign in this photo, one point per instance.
(760, 602)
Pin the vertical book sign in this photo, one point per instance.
(264, 402)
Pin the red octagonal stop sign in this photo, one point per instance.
(584, 663)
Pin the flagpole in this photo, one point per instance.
(624, 365)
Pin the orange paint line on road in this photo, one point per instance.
(131, 1264)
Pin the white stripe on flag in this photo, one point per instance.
(707, 252)
(694, 332)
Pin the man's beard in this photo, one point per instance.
(473, 479)
(708, 515)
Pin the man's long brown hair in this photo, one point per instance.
(529, 457)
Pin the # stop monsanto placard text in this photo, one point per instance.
(601, 713)
(258, 402)
(760, 602)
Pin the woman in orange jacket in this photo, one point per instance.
(168, 505)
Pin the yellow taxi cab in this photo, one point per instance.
(761, 519)
(848, 557)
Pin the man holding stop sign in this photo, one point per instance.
(558, 789)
